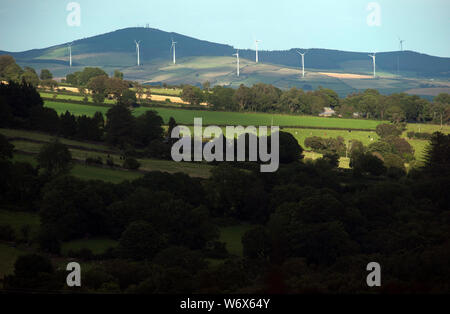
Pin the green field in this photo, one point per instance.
(89, 172)
(183, 116)
(117, 175)
(232, 236)
(363, 136)
(38, 136)
(19, 219)
(74, 97)
(165, 91)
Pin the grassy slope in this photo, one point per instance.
(90, 173)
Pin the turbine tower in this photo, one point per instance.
(237, 58)
(256, 44)
(70, 54)
(401, 41)
(303, 62)
(373, 56)
(138, 52)
(174, 52)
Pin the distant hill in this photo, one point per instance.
(116, 50)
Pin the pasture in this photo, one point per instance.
(186, 117)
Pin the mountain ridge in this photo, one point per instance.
(156, 45)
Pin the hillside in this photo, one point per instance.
(198, 61)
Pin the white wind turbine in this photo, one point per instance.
(373, 56)
(256, 45)
(70, 54)
(237, 58)
(138, 52)
(401, 41)
(303, 62)
(174, 51)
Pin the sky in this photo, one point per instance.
(350, 25)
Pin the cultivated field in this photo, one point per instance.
(346, 75)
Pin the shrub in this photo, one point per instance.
(131, 163)
(94, 161)
(384, 130)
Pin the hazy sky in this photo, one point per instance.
(279, 24)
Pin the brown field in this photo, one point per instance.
(346, 75)
(432, 91)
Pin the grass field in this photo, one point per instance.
(183, 116)
(232, 236)
(165, 91)
(19, 219)
(73, 97)
(117, 175)
(90, 173)
(301, 134)
(38, 136)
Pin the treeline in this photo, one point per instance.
(22, 107)
(316, 228)
(11, 71)
(369, 104)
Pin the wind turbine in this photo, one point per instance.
(174, 52)
(303, 62)
(70, 54)
(138, 52)
(373, 56)
(256, 44)
(237, 57)
(401, 41)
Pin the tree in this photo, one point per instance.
(192, 95)
(256, 243)
(128, 98)
(13, 72)
(98, 84)
(131, 163)
(120, 126)
(118, 74)
(46, 75)
(140, 241)
(370, 164)
(55, 158)
(437, 157)
(68, 125)
(385, 130)
(31, 78)
(5, 61)
(440, 104)
(206, 86)
(290, 150)
(148, 128)
(332, 159)
(172, 125)
(116, 87)
(32, 271)
(243, 97)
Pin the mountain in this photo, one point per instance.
(202, 60)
